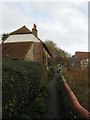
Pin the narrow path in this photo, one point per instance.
(59, 107)
(54, 106)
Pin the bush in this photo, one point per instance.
(21, 85)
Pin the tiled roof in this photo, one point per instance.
(15, 50)
(82, 55)
(22, 30)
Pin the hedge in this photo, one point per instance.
(21, 89)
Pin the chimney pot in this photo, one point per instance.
(34, 29)
(34, 26)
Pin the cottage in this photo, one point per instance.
(24, 44)
(80, 59)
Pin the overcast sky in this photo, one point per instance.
(65, 23)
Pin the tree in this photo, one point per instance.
(59, 55)
(4, 36)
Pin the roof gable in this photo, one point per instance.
(22, 30)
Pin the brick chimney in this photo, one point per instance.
(34, 29)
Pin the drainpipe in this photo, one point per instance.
(75, 103)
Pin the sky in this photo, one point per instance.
(63, 22)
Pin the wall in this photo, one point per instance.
(38, 52)
(45, 57)
(29, 56)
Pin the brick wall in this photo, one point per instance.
(29, 55)
(38, 52)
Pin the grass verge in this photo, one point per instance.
(78, 82)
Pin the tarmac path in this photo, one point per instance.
(55, 107)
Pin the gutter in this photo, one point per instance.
(74, 101)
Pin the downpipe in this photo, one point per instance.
(74, 101)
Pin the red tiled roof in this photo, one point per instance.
(22, 30)
(82, 55)
(15, 50)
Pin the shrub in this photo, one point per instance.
(21, 85)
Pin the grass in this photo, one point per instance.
(23, 89)
(78, 82)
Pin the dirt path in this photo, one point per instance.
(54, 104)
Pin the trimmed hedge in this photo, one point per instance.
(21, 89)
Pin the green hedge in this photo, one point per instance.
(21, 89)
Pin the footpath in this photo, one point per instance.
(59, 106)
(55, 106)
